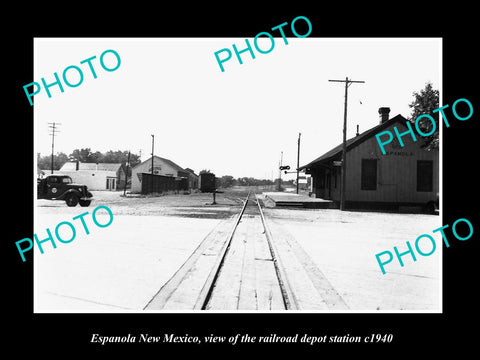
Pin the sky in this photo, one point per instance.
(235, 122)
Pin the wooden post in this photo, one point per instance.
(344, 146)
(298, 158)
(151, 186)
(126, 174)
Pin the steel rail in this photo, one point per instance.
(207, 289)
(288, 295)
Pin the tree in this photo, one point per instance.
(87, 156)
(134, 159)
(96, 157)
(111, 157)
(114, 156)
(226, 181)
(45, 162)
(82, 155)
(425, 102)
(250, 181)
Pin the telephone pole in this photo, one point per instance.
(298, 157)
(126, 173)
(280, 172)
(153, 137)
(53, 129)
(344, 148)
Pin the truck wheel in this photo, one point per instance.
(71, 200)
(85, 203)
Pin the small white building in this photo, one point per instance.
(97, 176)
(161, 166)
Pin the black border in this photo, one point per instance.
(64, 334)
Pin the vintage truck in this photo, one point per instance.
(61, 187)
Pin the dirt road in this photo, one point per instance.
(122, 267)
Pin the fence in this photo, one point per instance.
(160, 184)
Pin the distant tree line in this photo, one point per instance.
(229, 181)
(86, 156)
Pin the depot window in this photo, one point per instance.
(424, 175)
(369, 174)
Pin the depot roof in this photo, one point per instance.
(335, 153)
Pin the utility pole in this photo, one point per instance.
(126, 173)
(280, 172)
(53, 129)
(344, 148)
(298, 157)
(153, 137)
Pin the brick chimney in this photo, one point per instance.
(384, 111)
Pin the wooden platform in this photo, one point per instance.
(276, 199)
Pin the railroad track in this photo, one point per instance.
(249, 276)
(241, 266)
(232, 269)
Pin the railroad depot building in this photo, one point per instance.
(161, 167)
(405, 177)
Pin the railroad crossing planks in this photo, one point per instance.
(248, 264)
(248, 281)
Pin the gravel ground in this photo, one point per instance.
(120, 267)
(343, 246)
